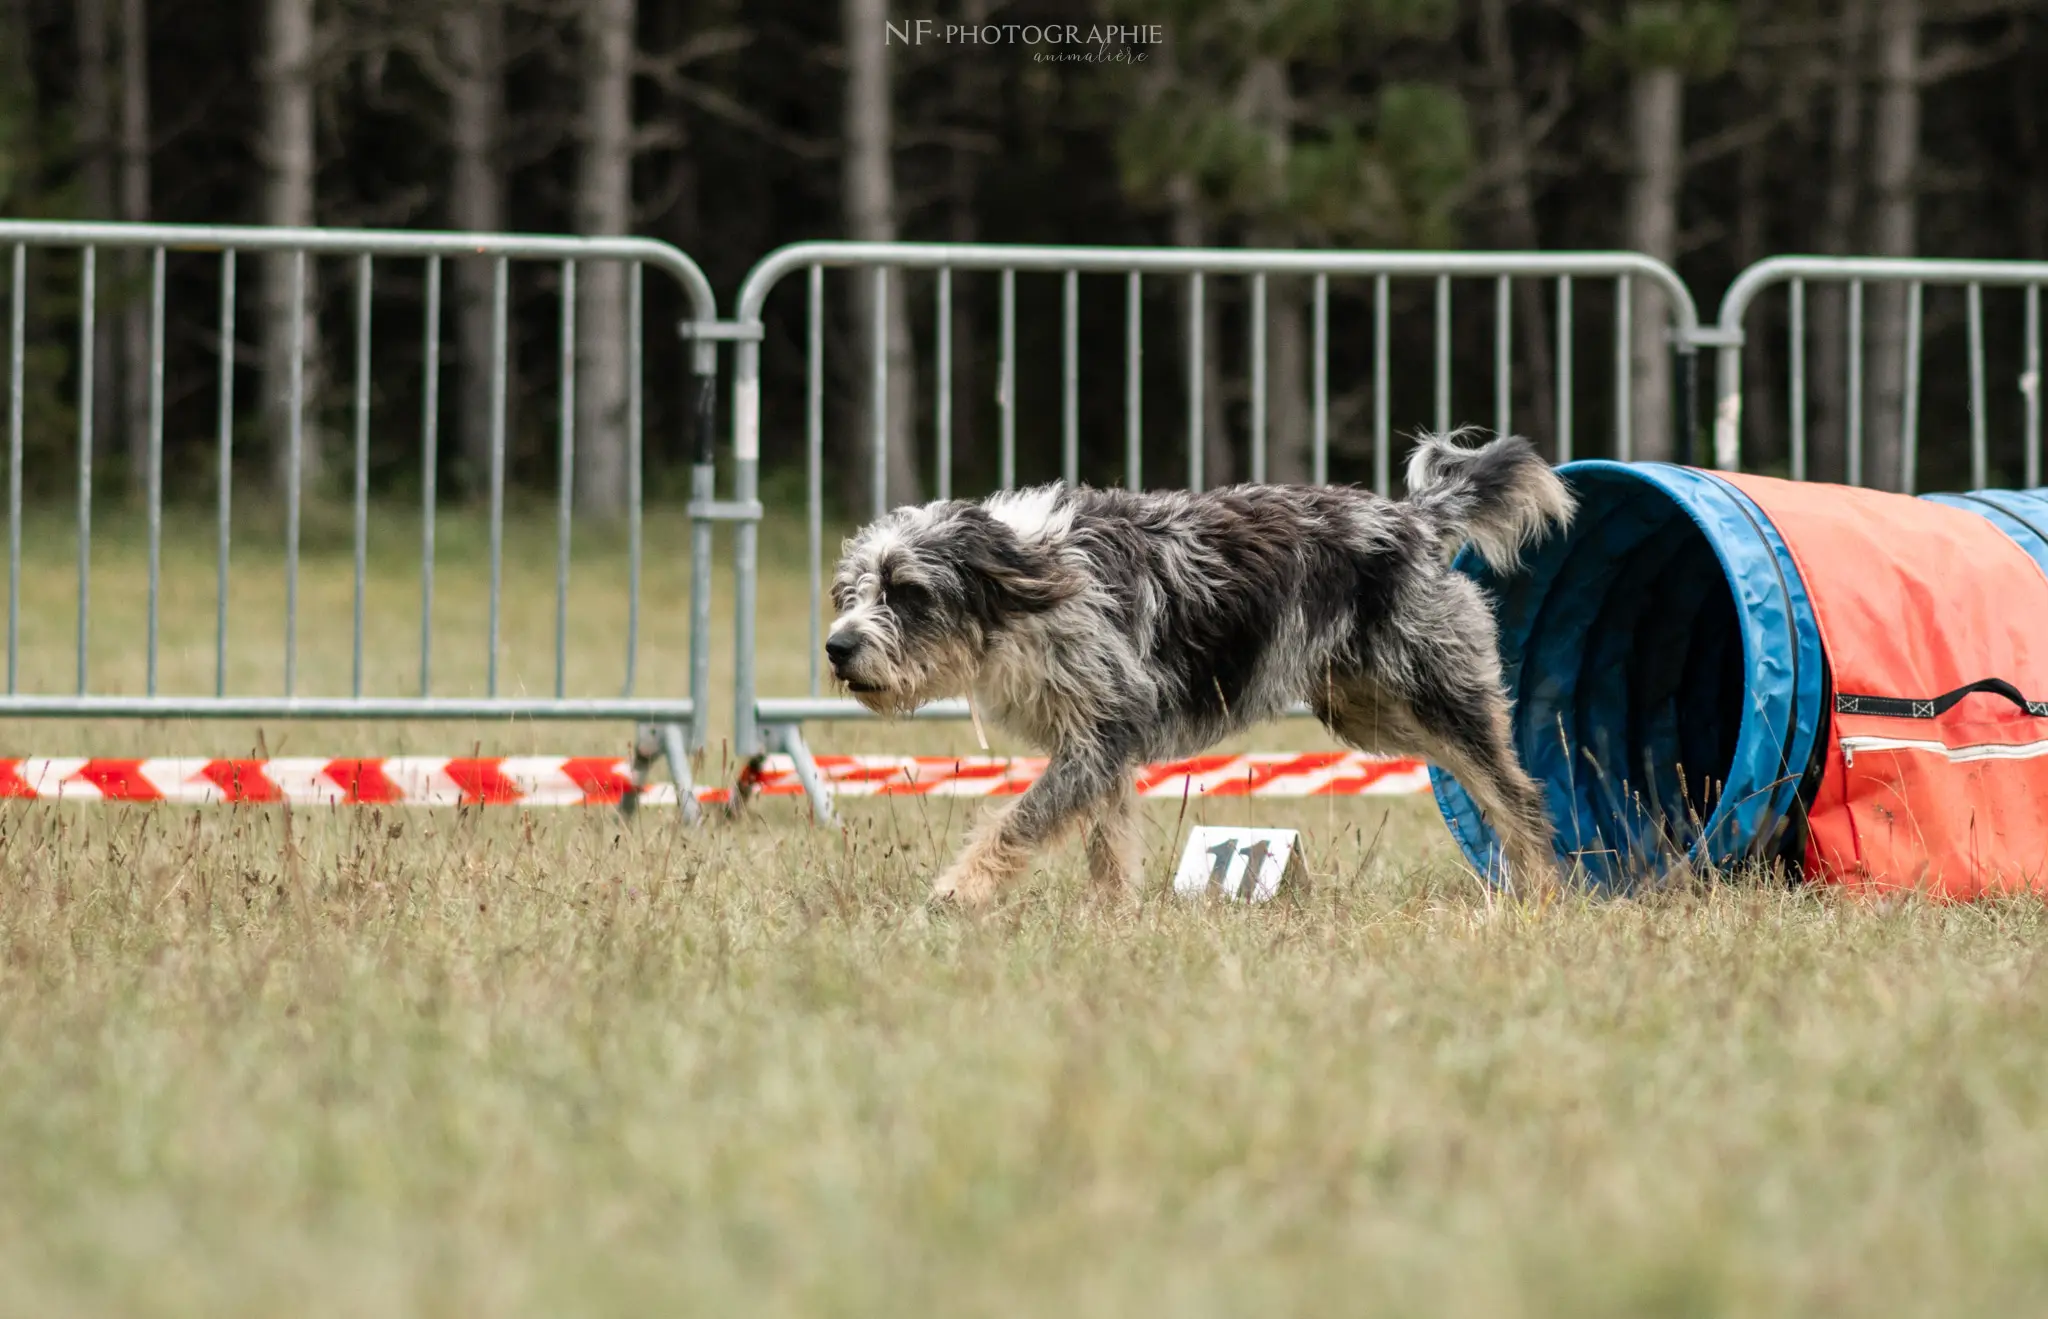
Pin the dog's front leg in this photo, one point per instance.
(1002, 845)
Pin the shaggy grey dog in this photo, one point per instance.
(1110, 628)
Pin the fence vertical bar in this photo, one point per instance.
(878, 383)
(814, 454)
(1070, 378)
(1796, 355)
(155, 459)
(1134, 382)
(1442, 375)
(1909, 408)
(1503, 377)
(1855, 383)
(1006, 384)
(1624, 368)
(636, 457)
(746, 553)
(17, 321)
(1382, 441)
(2030, 386)
(1197, 363)
(1258, 374)
(565, 475)
(1319, 354)
(942, 407)
(362, 462)
(224, 471)
(294, 463)
(430, 471)
(500, 332)
(1564, 368)
(88, 294)
(1980, 453)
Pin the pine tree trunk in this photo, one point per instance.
(287, 154)
(604, 207)
(1267, 101)
(1828, 361)
(869, 185)
(95, 110)
(476, 204)
(1219, 466)
(1894, 162)
(970, 105)
(1760, 419)
(1518, 217)
(135, 160)
(1656, 97)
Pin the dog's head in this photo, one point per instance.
(921, 593)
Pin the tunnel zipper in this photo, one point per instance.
(1979, 751)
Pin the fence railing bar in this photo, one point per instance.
(295, 426)
(1564, 368)
(1382, 441)
(155, 461)
(1070, 378)
(1258, 374)
(430, 471)
(942, 403)
(88, 298)
(17, 323)
(2030, 386)
(1855, 383)
(814, 453)
(1006, 383)
(1624, 367)
(1442, 373)
(1980, 453)
(1319, 355)
(224, 472)
(362, 462)
(1503, 370)
(1134, 381)
(1796, 351)
(565, 475)
(1909, 418)
(636, 457)
(500, 333)
(878, 402)
(1197, 368)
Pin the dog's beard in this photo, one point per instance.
(895, 685)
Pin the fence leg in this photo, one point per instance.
(676, 750)
(646, 750)
(816, 790)
(1685, 402)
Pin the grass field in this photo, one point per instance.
(480, 1063)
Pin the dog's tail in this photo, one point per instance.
(1500, 496)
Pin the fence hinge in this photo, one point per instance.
(725, 510)
(1709, 336)
(735, 331)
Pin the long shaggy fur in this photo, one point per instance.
(1110, 628)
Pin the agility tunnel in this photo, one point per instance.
(1711, 670)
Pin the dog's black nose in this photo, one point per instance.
(839, 647)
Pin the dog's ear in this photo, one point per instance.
(1004, 576)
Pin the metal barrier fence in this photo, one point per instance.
(669, 726)
(781, 717)
(1910, 278)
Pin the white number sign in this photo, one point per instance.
(1243, 865)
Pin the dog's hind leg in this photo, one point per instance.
(1461, 727)
(1069, 790)
(1114, 846)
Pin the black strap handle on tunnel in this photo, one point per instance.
(1901, 707)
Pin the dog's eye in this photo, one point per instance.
(908, 596)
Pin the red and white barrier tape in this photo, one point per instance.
(601, 781)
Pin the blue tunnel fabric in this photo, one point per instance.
(1667, 672)
(2020, 514)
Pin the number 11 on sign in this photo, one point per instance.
(1240, 865)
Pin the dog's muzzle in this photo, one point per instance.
(842, 649)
